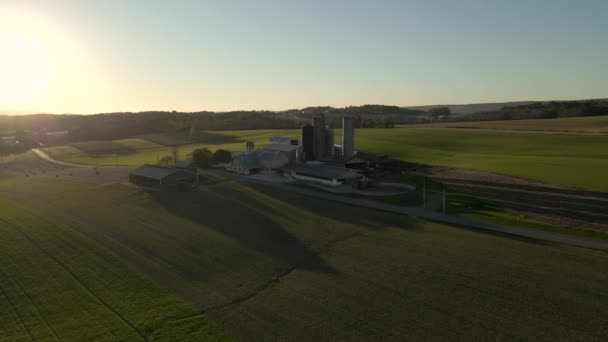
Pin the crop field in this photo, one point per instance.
(270, 265)
(591, 124)
(103, 147)
(57, 284)
(175, 139)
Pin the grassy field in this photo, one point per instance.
(561, 159)
(270, 265)
(592, 124)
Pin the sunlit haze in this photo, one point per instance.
(102, 56)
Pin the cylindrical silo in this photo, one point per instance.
(319, 136)
(348, 137)
(249, 147)
(308, 142)
(329, 143)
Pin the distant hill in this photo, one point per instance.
(461, 109)
(18, 112)
(541, 110)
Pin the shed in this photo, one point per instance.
(162, 177)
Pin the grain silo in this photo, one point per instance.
(249, 147)
(319, 136)
(329, 143)
(308, 142)
(348, 137)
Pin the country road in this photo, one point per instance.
(46, 157)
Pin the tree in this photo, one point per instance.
(222, 157)
(202, 158)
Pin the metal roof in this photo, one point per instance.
(281, 147)
(153, 171)
(324, 171)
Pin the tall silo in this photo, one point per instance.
(348, 137)
(329, 143)
(308, 142)
(249, 147)
(319, 136)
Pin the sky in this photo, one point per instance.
(103, 56)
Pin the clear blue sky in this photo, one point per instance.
(225, 55)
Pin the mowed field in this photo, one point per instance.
(573, 160)
(591, 124)
(271, 265)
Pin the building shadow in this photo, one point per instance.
(244, 224)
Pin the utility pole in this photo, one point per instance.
(424, 192)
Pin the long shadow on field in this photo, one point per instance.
(376, 219)
(245, 224)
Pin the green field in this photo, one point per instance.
(574, 160)
(59, 284)
(591, 124)
(271, 265)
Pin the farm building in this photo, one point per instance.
(323, 174)
(162, 178)
(290, 151)
(257, 161)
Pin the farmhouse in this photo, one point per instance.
(323, 174)
(162, 178)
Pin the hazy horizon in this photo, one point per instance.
(89, 57)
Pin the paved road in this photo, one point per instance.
(434, 216)
(48, 158)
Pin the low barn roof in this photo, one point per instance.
(281, 147)
(153, 171)
(324, 171)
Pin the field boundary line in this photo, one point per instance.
(78, 280)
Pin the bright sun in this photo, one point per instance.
(26, 68)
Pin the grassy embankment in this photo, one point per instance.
(273, 265)
(591, 124)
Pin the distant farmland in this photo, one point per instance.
(269, 265)
(591, 124)
(580, 161)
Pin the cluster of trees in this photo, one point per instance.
(202, 158)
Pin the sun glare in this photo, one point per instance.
(26, 68)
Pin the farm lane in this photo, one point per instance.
(50, 159)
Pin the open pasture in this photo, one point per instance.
(590, 124)
(176, 139)
(102, 147)
(272, 265)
